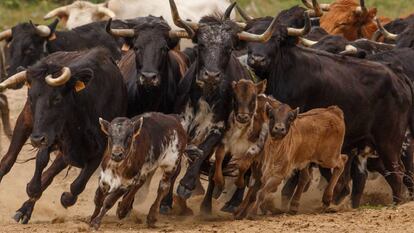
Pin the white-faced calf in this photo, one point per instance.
(296, 140)
(136, 148)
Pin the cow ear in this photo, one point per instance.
(53, 26)
(104, 125)
(261, 86)
(82, 79)
(138, 126)
(295, 114)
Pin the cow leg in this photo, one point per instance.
(241, 212)
(359, 178)
(205, 207)
(167, 202)
(69, 198)
(126, 205)
(304, 178)
(337, 171)
(109, 201)
(33, 188)
(235, 201)
(342, 189)
(22, 131)
(5, 115)
(98, 200)
(188, 182)
(270, 186)
(24, 214)
(163, 189)
(288, 189)
(218, 178)
(407, 159)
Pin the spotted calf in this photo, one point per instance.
(136, 148)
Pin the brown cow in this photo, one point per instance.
(136, 148)
(348, 18)
(246, 132)
(295, 141)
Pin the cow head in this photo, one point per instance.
(348, 18)
(216, 37)
(245, 99)
(281, 118)
(403, 40)
(26, 44)
(121, 132)
(152, 39)
(80, 13)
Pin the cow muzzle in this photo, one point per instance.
(243, 118)
(257, 61)
(38, 141)
(118, 154)
(149, 79)
(209, 78)
(279, 131)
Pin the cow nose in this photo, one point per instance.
(117, 156)
(257, 59)
(243, 118)
(38, 140)
(211, 76)
(149, 75)
(280, 129)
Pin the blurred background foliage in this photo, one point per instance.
(14, 11)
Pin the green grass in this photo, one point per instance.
(36, 9)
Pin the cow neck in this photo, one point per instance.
(281, 149)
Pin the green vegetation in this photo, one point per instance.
(14, 11)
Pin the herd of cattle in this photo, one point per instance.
(324, 85)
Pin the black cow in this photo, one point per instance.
(153, 70)
(68, 92)
(402, 39)
(376, 101)
(395, 27)
(27, 43)
(205, 93)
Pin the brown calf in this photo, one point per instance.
(294, 142)
(136, 148)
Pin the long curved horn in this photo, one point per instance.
(57, 12)
(302, 31)
(316, 11)
(229, 9)
(361, 9)
(14, 80)
(4, 35)
(106, 11)
(42, 30)
(323, 6)
(307, 42)
(59, 81)
(179, 34)
(263, 38)
(387, 34)
(119, 32)
(243, 13)
(349, 50)
(190, 27)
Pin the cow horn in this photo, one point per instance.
(349, 50)
(310, 5)
(384, 31)
(179, 34)
(106, 11)
(307, 42)
(56, 12)
(263, 38)
(14, 80)
(243, 13)
(190, 27)
(303, 31)
(42, 30)
(316, 11)
(361, 9)
(4, 35)
(229, 9)
(119, 32)
(59, 81)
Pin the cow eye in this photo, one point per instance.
(57, 100)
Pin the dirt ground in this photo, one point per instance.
(50, 216)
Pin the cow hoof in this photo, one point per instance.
(1, 176)
(67, 199)
(165, 209)
(205, 209)
(183, 192)
(21, 217)
(217, 192)
(95, 224)
(229, 208)
(151, 221)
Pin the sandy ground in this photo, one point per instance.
(50, 216)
